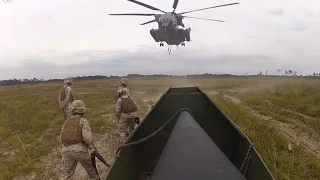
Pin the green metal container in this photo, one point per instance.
(141, 158)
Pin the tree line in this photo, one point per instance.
(288, 73)
(97, 77)
(35, 80)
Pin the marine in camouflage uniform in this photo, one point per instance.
(66, 97)
(123, 84)
(77, 145)
(126, 111)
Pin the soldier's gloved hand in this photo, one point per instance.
(92, 150)
(137, 120)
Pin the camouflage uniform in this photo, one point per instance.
(126, 109)
(76, 140)
(123, 84)
(66, 97)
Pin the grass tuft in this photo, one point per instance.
(272, 145)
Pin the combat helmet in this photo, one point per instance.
(124, 81)
(68, 80)
(125, 91)
(78, 106)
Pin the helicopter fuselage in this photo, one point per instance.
(168, 30)
(169, 20)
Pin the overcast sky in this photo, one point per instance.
(53, 39)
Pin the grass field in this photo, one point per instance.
(272, 111)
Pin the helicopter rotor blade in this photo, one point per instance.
(202, 18)
(146, 5)
(132, 14)
(175, 4)
(148, 22)
(209, 8)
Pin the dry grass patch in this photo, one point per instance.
(272, 144)
(33, 109)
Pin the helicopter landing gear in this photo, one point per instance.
(183, 44)
(161, 44)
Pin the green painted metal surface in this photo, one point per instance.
(228, 137)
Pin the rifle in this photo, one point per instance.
(98, 155)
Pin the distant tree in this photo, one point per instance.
(286, 72)
(316, 74)
(278, 71)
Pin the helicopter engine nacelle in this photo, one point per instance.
(164, 20)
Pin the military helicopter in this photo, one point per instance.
(168, 24)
